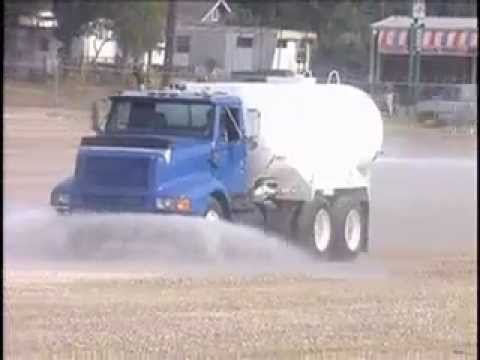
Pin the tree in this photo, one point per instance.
(254, 13)
(71, 17)
(170, 42)
(342, 26)
(139, 25)
(77, 17)
(452, 8)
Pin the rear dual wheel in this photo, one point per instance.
(333, 231)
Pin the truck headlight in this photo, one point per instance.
(182, 204)
(167, 204)
(61, 199)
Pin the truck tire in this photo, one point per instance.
(314, 227)
(332, 231)
(214, 210)
(349, 227)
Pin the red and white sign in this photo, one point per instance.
(437, 39)
(390, 38)
(395, 41)
(403, 39)
(427, 40)
(473, 41)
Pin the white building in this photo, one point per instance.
(30, 46)
(100, 46)
(203, 40)
(204, 36)
(96, 45)
(235, 49)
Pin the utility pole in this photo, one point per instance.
(55, 81)
(170, 43)
(415, 47)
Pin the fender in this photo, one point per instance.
(198, 187)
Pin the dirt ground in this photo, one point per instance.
(413, 296)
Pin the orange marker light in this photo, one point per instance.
(184, 205)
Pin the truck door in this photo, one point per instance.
(230, 153)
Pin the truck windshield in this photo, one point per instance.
(161, 117)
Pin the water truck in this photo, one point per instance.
(299, 152)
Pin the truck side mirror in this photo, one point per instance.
(98, 114)
(252, 127)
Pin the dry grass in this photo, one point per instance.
(259, 317)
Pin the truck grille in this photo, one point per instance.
(111, 172)
(112, 202)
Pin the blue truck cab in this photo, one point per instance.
(162, 152)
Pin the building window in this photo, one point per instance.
(244, 42)
(282, 44)
(183, 44)
(43, 44)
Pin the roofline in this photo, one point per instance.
(446, 28)
(181, 96)
(220, 27)
(215, 7)
(132, 95)
(379, 25)
(34, 27)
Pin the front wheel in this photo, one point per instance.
(214, 210)
(214, 213)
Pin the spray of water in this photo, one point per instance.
(169, 245)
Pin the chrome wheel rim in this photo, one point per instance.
(322, 230)
(353, 230)
(212, 215)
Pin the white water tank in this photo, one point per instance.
(291, 80)
(324, 131)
